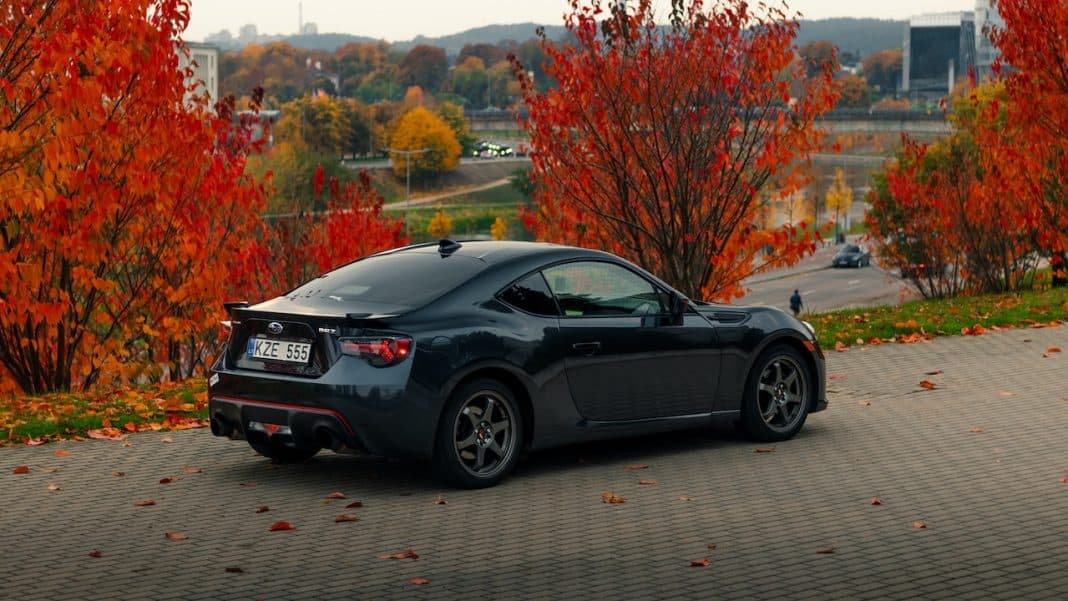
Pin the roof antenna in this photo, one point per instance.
(446, 246)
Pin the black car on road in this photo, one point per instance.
(471, 353)
(851, 255)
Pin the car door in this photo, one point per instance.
(625, 359)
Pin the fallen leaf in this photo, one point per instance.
(61, 453)
(685, 498)
(612, 498)
(440, 501)
(51, 470)
(21, 469)
(130, 427)
(977, 430)
(647, 482)
(927, 384)
(345, 517)
(919, 524)
(33, 442)
(1005, 393)
(419, 581)
(192, 470)
(876, 501)
(235, 570)
(175, 535)
(836, 377)
(1064, 479)
(700, 563)
(53, 487)
(275, 527)
(354, 505)
(408, 553)
(147, 503)
(118, 474)
(106, 433)
(864, 403)
(841, 348)
(95, 554)
(936, 372)
(828, 551)
(764, 450)
(637, 466)
(169, 479)
(1053, 349)
(335, 495)
(166, 439)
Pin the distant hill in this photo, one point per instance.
(863, 36)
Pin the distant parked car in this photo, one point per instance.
(851, 255)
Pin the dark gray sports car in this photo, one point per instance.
(470, 353)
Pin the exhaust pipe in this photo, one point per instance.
(221, 427)
(326, 439)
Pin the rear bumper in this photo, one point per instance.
(295, 425)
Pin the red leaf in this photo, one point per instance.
(419, 581)
(263, 509)
(828, 551)
(176, 535)
(130, 427)
(841, 348)
(1064, 479)
(700, 563)
(919, 524)
(277, 526)
(335, 495)
(612, 498)
(169, 479)
(408, 553)
(345, 517)
(21, 469)
(637, 466)
(354, 504)
(33, 442)
(106, 434)
(147, 503)
(876, 501)
(61, 453)
(927, 384)
(1053, 349)
(95, 554)
(836, 377)
(764, 450)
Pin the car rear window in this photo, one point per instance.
(391, 283)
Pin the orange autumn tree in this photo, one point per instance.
(121, 193)
(656, 139)
(1032, 165)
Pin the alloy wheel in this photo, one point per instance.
(484, 434)
(782, 392)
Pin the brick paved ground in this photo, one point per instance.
(995, 508)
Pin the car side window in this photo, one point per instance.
(595, 288)
(532, 295)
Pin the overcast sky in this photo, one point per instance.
(400, 20)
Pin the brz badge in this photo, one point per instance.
(274, 327)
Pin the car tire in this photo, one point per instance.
(778, 395)
(283, 454)
(480, 435)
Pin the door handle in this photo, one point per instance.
(588, 348)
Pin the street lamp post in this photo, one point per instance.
(407, 183)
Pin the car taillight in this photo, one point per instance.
(379, 351)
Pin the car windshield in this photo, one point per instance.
(391, 283)
(850, 248)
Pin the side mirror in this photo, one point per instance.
(678, 307)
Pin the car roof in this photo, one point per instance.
(501, 251)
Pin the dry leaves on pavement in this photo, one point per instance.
(827, 551)
(175, 536)
(354, 505)
(408, 553)
(346, 517)
(919, 524)
(700, 563)
(21, 469)
(278, 526)
(335, 495)
(637, 466)
(612, 498)
(876, 501)
(647, 482)
(440, 501)
(419, 581)
(145, 503)
(927, 384)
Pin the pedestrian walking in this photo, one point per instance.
(795, 303)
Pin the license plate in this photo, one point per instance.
(278, 350)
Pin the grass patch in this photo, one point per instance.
(104, 413)
(921, 319)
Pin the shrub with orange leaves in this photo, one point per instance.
(657, 141)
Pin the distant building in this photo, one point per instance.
(204, 61)
(248, 34)
(938, 50)
(986, 17)
(220, 38)
(309, 29)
